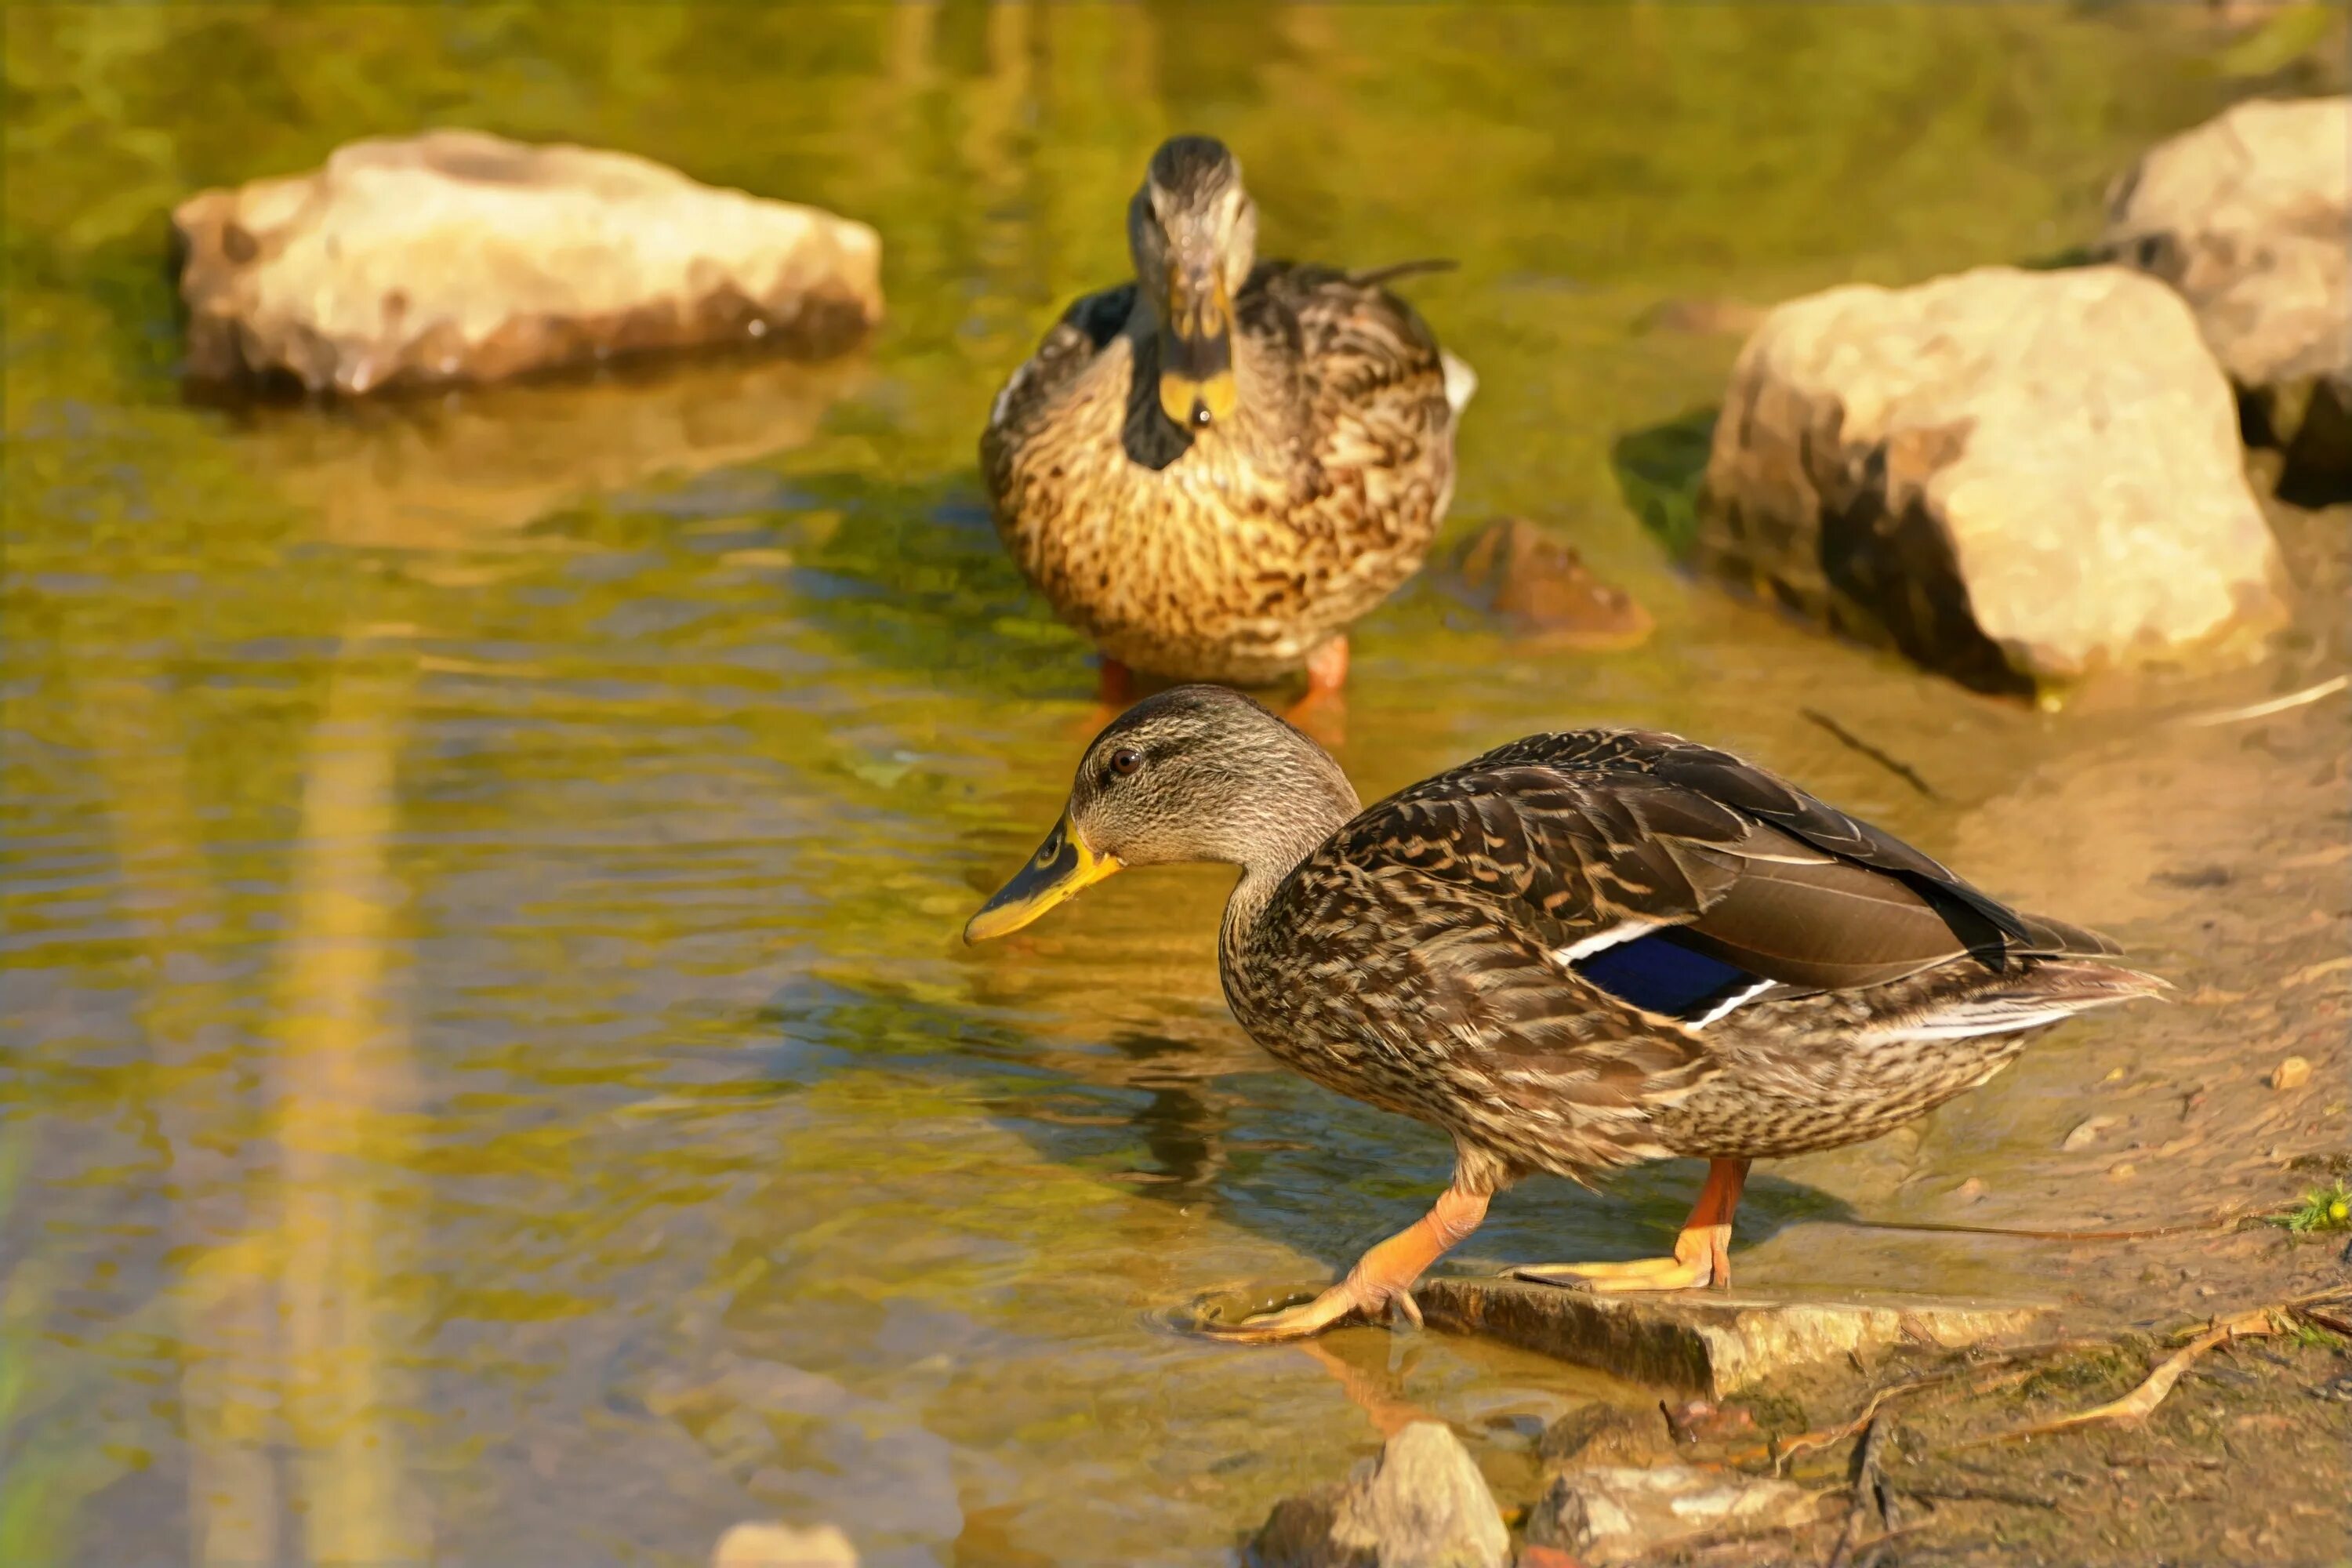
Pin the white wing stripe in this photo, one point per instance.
(1598, 939)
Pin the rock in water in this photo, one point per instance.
(1617, 1514)
(1605, 1435)
(455, 256)
(2017, 478)
(2247, 216)
(1423, 1505)
(1540, 589)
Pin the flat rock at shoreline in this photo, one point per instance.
(1622, 1514)
(1711, 1343)
(459, 257)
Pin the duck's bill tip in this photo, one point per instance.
(1062, 866)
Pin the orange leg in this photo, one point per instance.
(1117, 687)
(1114, 693)
(1327, 670)
(1322, 711)
(1381, 1280)
(1702, 1252)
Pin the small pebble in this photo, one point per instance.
(2086, 1133)
(2291, 1073)
(2122, 1171)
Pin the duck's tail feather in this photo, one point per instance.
(2056, 939)
(1460, 381)
(1375, 277)
(2046, 991)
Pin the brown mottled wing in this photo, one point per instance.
(1083, 331)
(1981, 924)
(1572, 836)
(1374, 383)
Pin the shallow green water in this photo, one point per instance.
(488, 1069)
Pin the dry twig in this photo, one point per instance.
(1871, 1496)
(2332, 1322)
(2327, 687)
(2212, 1222)
(1893, 765)
(2005, 1366)
(1980, 1494)
(2141, 1401)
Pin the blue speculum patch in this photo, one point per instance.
(1658, 973)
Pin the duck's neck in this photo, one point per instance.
(1268, 844)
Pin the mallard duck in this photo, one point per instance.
(1212, 470)
(1579, 950)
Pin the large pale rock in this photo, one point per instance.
(1613, 1514)
(455, 256)
(1706, 1341)
(1423, 1505)
(2249, 217)
(2018, 477)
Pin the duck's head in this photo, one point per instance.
(1198, 773)
(1193, 231)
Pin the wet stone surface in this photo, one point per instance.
(1708, 1342)
(459, 257)
(1617, 1513)
(1423, 1504)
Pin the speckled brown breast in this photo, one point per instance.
(1232, 553)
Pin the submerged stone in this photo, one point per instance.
(457, 257)
(1606, 1435)
(1541, 591)
(1710, 1344)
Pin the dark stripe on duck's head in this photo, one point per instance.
(1192, 171)
(1658, 973)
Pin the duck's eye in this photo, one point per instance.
(1124, 761)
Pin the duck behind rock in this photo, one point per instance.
(1214, 469)
(1576, 951)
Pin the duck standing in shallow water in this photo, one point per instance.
(1214, 469)
(1576, 951)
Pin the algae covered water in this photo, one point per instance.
(489, 1074)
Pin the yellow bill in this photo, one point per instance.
(1062, 866)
